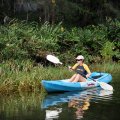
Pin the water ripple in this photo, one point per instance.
(91, 95)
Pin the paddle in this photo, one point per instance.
(103, 85)
(53, 59)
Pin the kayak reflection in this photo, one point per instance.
(79, 101)
(80, 106)
(54, 99)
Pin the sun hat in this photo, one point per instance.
(80, 57)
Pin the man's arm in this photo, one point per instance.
(87, 69)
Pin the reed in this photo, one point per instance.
(110, 67)
(22, 103)
(17, 77)
(28, 79)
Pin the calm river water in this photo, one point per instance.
(92, 104)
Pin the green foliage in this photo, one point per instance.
(23, 77)
(107, 51)
(22, 41)
(109, 67)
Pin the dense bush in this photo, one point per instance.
(21, 41)
(22, 45)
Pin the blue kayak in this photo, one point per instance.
(64, 85)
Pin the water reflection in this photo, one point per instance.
(53, 114)
(69, 105)
(18, 107)
(78, 101)
(54, 99)
(79, 106)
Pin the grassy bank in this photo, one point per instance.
(111, 68)
(27, 79)
(24, 77)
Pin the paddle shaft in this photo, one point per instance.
(86, 77)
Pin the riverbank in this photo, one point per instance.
(24, 46)
(14, 80)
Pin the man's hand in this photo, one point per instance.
(70, 68)
(88, 75)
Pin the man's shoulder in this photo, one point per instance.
(85, 64)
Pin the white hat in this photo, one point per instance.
(80, 57)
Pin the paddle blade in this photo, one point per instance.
(105, 86)
(53, 59)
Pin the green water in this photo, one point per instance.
(92, 104)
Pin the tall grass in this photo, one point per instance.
(110, 67)
(24, 77)
(28, 78)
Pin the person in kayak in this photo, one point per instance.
(81, 69)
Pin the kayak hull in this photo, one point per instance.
(64, 85)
